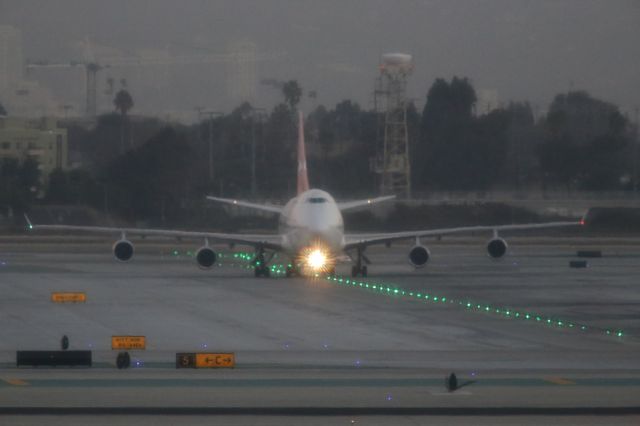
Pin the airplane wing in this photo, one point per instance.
(255, 206)
(354, 241)
(267, 241)
(350, 205)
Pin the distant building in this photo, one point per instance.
(11, 63)
(40, 139)
(19, 96)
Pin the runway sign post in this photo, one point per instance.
(68, 297)
(205, 360)
(128, 342)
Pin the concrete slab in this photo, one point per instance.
(322, 343)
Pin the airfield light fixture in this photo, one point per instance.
(314, 256)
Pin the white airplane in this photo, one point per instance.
(311, 232)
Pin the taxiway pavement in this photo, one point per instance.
(309, 347)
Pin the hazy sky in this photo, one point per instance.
(524, 49)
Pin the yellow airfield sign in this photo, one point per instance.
(128, 342)
(68, 297)
(215, 360)
(205, 360)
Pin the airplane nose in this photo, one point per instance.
(318, 228)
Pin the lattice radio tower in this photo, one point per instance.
(392, 161)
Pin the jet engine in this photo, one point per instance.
(419, 256)
(206, 257)
(496, 248)
(123, 250)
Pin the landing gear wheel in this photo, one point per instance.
(355, 271)
(261, 271)
(291, 271)
(359, 268)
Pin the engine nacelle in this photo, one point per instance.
(123, 250)
(496, 248)
(419, 256)
(206, 257)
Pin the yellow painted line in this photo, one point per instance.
(560, 381)
(16, 382)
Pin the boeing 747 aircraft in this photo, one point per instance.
(311, 232)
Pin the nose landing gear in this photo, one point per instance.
(260, 267)
(292, 271)
(360, 268)
(261, 271)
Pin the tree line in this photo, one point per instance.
(147, 169)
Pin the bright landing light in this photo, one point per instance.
(316, 259)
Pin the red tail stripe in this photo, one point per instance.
(303, 179)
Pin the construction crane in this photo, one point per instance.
(91, 70)
(92, 66)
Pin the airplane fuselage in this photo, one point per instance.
(311, 219)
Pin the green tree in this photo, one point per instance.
(99, 145)
(76, 186)
(123, 103)
(234, 146)
(489, 148)
(522, 137)
(18, 184)
(58, 191)
(447, 136)
(150, 182)
(279, 165)
(340, 144)
(585, 144)
(292, 93)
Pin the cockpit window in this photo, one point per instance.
(316, 200)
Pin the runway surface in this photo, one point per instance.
(327, 347)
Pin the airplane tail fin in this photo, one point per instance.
(303, 179)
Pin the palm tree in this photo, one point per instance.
(292, 93)
(123, 103)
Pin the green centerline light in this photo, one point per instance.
(393, 290)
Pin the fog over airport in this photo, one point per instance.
(513, 50)
(319, 212)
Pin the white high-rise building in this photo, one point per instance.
(11, 63)
(18, 96)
